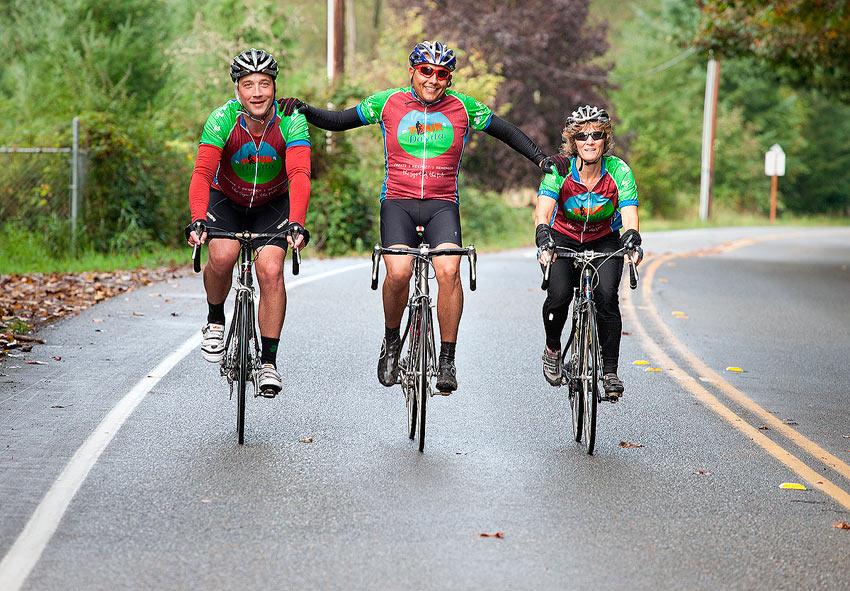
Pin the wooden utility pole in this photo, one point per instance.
(709, 128)
(336, 40)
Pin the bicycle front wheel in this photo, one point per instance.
(590, 376)
(423, 363)
(244, 317)
(573, 383)
(408, 385)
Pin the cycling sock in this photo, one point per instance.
(216, 313)
(447, 350)
(269, 354)
(392, 334)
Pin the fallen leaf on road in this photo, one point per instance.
(626, 334)
(653, 369)
(841, 525)
(793, 486)
(57, 406)
(764, 428)
(498, 534)
(306, 439)
(175, 314)
(138, 314)
(790, 422)
(735, 369)
(702, 472)
(57, 358)
(35, 362)
(629, 444)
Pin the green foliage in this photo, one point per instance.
(805, 42)
(659, 110)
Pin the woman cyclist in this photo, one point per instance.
(583, 205)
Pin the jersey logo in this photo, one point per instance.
(425, 135)
(267, 163)
(592, 207)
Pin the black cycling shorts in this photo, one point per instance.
(273, 217)
(400, 217)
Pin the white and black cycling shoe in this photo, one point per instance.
(553, 369)
(212, 345)
(268, 381)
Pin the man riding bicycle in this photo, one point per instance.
(252, 173)
(584, 209)
(425, 128)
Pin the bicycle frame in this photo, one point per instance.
(582, 370)
(419, 365)
(242, 345)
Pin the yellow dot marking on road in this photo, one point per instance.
(793, 486)
(735, 369)
(640, 362)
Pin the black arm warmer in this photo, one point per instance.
(515, 138)
(333, 120)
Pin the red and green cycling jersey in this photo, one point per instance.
(252, 169)
(423, 143)
(588, 213)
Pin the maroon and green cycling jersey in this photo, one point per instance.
(252, 170)
(423, 144)
(588, 213)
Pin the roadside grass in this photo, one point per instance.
(21, 257)
(501, 228)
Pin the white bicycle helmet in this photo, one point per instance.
(588, 113)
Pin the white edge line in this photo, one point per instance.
(31, 542)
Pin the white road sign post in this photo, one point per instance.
(774, 167)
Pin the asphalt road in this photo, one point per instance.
(172, 502)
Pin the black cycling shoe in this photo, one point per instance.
(388, 362)
(447, 376)
(613, 386)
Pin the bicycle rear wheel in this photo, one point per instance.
(590, 376)
(423, 362)
(243, 358)
(575, 392)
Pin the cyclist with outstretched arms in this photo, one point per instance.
(583, 205)
(425, 129)
(252, 173)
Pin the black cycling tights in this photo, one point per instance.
(564, 276)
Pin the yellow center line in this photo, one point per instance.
(687, 381)
(699, 392)
(770, 420)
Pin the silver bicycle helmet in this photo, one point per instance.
(253, 61)
(588, 113)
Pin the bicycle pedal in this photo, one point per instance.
(267, 393)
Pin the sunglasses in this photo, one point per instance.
(583, 137)
(428, 71)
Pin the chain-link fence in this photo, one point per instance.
(41, 189)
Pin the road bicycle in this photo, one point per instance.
(241, 360)
(418, 365)
(582, 357)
